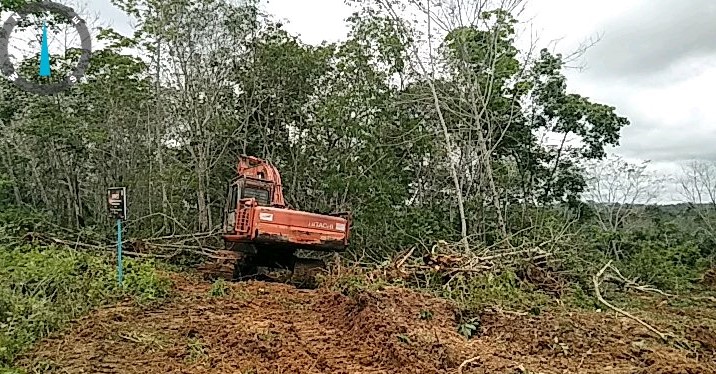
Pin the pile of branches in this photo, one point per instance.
(162, 247)
(445, 261)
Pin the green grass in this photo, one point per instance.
(42, 288)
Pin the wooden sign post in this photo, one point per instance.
(117, 202)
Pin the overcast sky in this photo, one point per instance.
(654, 62)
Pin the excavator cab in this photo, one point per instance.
(241, 191)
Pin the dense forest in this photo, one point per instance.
(422, 136)
(424, 131)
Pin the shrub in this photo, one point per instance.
(219, 288)
(667, 267)
(41, 288)
(488, 289)
(143, 282)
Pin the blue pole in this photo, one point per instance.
(119, 251)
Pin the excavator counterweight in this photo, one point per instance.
(261, 230)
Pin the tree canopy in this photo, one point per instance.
(353, 125)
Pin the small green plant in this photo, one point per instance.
(469, 328)
(219, 288)
(576, 297)
(196, 349)
(426, 315)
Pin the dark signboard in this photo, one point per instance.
(117, 202)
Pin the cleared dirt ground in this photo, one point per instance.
(275, 328)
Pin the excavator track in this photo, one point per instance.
(305, 271)
(222, 265)
(237, 266)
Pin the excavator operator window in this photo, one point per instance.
(261, 195)
(233, 199)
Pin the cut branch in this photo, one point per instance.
(597, 282)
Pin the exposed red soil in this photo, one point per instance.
(275, 328)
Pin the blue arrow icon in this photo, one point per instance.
(44, 54)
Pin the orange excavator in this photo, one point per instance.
(261, 231)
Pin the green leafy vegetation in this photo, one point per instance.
(42, 288)
(503, 289)
(196, 350)
(219, 288)
(468, 329)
